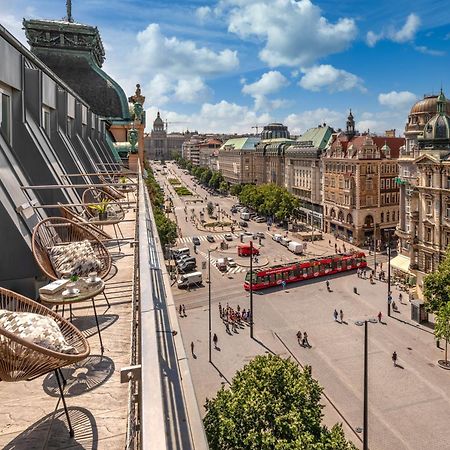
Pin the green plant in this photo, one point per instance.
(74, 278)
(100, 207)
(123, 179)
(442, 326)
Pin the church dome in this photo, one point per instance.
(158, 124)
(423, 110)
(274, 131)
(438, 127)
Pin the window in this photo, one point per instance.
(46, 120)
(70, 127)
(429, 206)
(429, 180)
(369, 184)
(382, 183)
(5, 116)
(448, 182)
(369, 200)
(387, 217)
(388, 183)
(428, 235)
(447, 210)
(382, 218)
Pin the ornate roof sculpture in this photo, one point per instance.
(76, 54)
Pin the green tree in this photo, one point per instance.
(223, 187)
(271, 405)
(236, 189)
(436, 286)
(210, 208)
(215, 180)
(442, 326)
(206, 176)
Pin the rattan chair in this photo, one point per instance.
(23, 360)
(111, 190)
(69, 213)
(60, 231)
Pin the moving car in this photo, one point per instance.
(243, 224)
(231, 262)
(259, 219)
(196, 240)
(245, 250)
(222, 264)
(210, 238)
(189, 279)
(261, 235)
(228, 237)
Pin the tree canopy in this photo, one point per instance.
(436, 285)
(269, 200)
(271, 405)
(442, 325)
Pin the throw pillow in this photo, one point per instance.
(35, 328)
(76, 258)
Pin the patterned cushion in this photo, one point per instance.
(41, 330)
(77, 258)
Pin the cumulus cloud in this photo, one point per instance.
(269, 83)
(406, 33)
(381, 121)
(397, 100)
(221, 117)
(203, 13)
(192, 90)
(156, 52)
(325, 76)
(299, 123)
(295, 33)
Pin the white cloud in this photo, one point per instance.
(406, 33)
(269, 83)
(158, 53)
(429, 51)
(381, 121)
(160, 87)
(203, 13)
(325, 76)
(294, 32)
(397, 100)
(218, 117)
(299, 123)
(192, 90)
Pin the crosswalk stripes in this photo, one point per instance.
(188, 239)
(230, 270)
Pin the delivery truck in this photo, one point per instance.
(190, 279)
(296, 247)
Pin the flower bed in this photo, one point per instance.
(181, 190)
(174, 181)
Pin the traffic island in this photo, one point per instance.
(443, 364)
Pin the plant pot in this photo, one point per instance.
(103, 216)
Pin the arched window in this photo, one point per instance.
(332, 213)
(341, 216)
(349, 219)
(368, 221)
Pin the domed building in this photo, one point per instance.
(424, 225)
(275, 131)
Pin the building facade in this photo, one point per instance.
(235, 160)
(303, 172)
(360, 193)
(206, 150)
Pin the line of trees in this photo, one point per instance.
(271, 405)
(269, 200)
(167, 229)
(205, 175)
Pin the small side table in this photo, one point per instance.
(88, 291)
(112, 219)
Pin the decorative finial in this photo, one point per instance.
(69, 11)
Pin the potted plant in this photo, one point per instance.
(101, 208)
(123, 181)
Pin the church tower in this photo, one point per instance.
(350, 132)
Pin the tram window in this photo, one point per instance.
(291, 274)
(352, 262)
(272, 278)
(297, 271)
(333, 265)
(316, 269)
(265, 279)
(310, 270)
(339, 264)
(256, 279)
(279, 275)
(358, 260)
(329, 266)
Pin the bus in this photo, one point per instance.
(304, 270)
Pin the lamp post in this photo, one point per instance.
(389, 295)
(366, 391)
(251, 289)
(209, 305)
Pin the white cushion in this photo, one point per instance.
(76, 258)
(35, 328)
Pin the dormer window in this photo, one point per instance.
(5, 114)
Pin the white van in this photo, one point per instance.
(180, 252)
(296, 247)
(285, 241)
(222, 264)
(190, 279)
(277, 237)
(245, 215)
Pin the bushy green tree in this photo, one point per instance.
(436, 286)
(206, 176)
(442, 326)
(236, 189)
(210, 208)
(215, 180)
(223, 187)
(271, 405)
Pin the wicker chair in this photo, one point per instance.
(111, 190)
(23, 360)
(59, 231)
(69, 213)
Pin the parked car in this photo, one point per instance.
(243, 223)
(180, 252)
(194, 278)
(248, 233)
(187, 267)
(259, 219)
(196, 240)
(285, 241)
(261, 235)
(228, 237)
(187, 260)
(210, 238)
(231, 262)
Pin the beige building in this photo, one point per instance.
(359, 187)
(206, 150)
(235, 160)
(424, 225)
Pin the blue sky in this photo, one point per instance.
(227, 65)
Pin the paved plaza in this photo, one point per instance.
(408, 405)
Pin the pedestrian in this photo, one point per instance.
(329, 242)
(335, 314)
(394, 358)
(305, 340)
(192, 348)
(184, 311)
(380, 317)
(299, 337)
(283, 284)
(400, 298)
(181, 311)
(238, 308)
(220, 310)
(215, 339)
(328, 285)
(341, 315)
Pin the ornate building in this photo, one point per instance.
(206, 149)
(303, 172)
(360, 195)
(424, 227)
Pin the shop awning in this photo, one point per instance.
(401, 262)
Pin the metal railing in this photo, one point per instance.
(167, 416)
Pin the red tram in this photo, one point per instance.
(304, 270)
